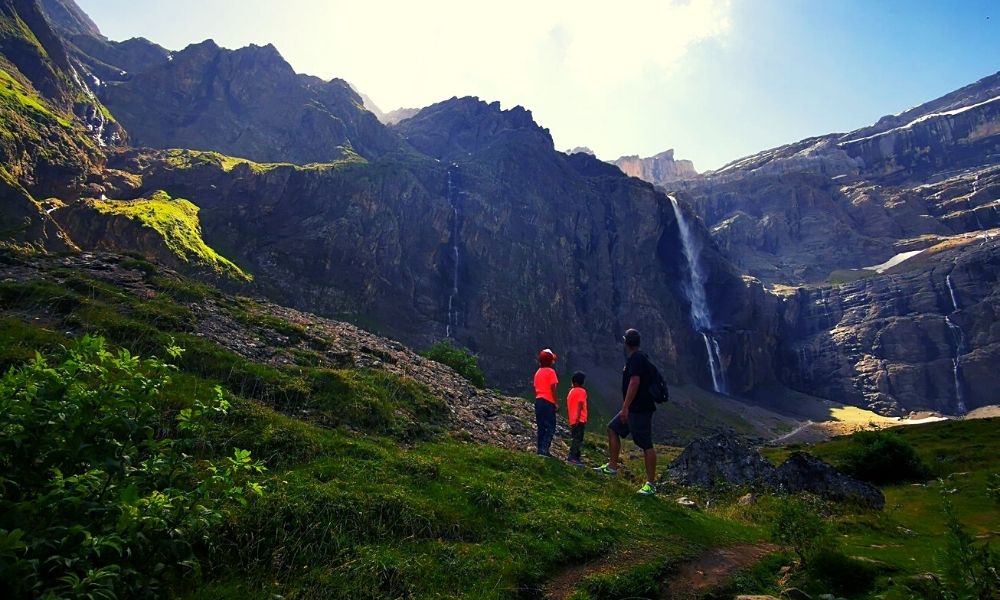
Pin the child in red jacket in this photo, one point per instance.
(576, 408)
(545, 400)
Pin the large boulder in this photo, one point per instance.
(804, 472)
(720, 459)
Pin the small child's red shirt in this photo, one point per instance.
(576, 405)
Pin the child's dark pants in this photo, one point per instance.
(545, 416)
(576, 431)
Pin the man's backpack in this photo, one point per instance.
(658, 387)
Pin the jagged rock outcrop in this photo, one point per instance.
(400, 114)
(724, 459)
(67, 17)
(458, 127)
(661, 169)
(248, 103)
(720, 459)
(803, 472)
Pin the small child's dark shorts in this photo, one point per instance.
(640, 426)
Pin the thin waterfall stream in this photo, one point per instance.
(701, 315)
(958, 338)
(453, 199)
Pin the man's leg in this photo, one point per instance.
(650, 458)
(614, 448)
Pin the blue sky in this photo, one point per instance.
(714, 79)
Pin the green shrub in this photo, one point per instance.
(882, 458)
(104, 487)
(464, 362)
(832, 571)
(993, 487)
(798, 526)
(970, 569)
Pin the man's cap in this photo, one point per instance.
(547, 355)
(631, 338)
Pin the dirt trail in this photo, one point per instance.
(693, 579)
(712, 570)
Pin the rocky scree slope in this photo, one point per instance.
(260, 332)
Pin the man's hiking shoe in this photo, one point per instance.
(606, 469)
(576, 462)
(646, 490)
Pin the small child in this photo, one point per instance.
(545, 400)
(576, 407)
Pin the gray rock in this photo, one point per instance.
(795, 594)
(803, 472)
(719, 459)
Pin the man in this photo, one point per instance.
(636, 415)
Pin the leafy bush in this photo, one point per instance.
(882, 458)
(102, 491)
(971, 570)
(993, 487)
(464, 362)
(799, 527)
(831, 570)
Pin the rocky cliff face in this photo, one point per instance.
(497, 241)
(51, 127)
(920, 337)
(923, 183)
(660, 170)
(247, 103)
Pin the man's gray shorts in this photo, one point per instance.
(639, 426)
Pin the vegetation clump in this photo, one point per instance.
(464, 363)
(106, 487)
(882, 457)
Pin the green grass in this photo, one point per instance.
(369, 495)
(190, 159)
(15, 95)
(358, 516)
(907, 537)
(176, 220)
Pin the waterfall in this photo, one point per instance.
(959, 340)
(956, 364)
(453, 296)
(701, 315)
(951, 290)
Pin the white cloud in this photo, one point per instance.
(580, 65)
(414, 53)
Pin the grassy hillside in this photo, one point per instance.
(371, 490)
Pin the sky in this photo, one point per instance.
(714, 79)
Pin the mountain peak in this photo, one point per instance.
(69, 18)
(466, 125)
